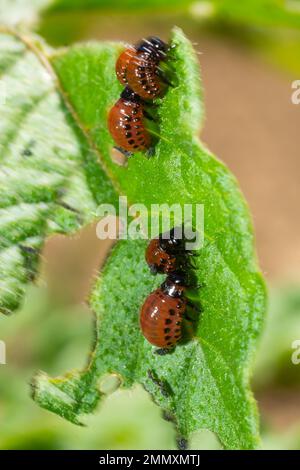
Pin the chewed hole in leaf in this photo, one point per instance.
(118, 157)
(110, 383)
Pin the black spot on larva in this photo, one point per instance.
(128, 134)
(178, 323)
(167, 338)
(169, 343)
(179, 305)
(131, 141)
(171, 311)
(135, 146)
(127, 127)
(168, 321)
(177, 330)
(134, 111)
(167, 330)
(177, 336)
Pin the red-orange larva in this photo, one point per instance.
(138, 66)
(158, 259)
(122, 64)
(126, 123)
(162, 313)
(166, 253)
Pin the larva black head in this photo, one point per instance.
(177, 278)
(174, 285)
(129, 95)
(172, 241)
(154, 46)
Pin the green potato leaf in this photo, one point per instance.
(206, 380)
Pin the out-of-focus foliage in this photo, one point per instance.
(285, 440)
(259, 13)
(122, 5)
(27, 12)
(274, 362)
(253, 13)
(271, 27)
(276, 372)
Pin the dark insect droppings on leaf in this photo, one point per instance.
(30, 255)
(182, 443)
(67, 206)
(27, 151)
(168, 417)
(163, 351)
(161, 384)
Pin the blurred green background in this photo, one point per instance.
(249, 54)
